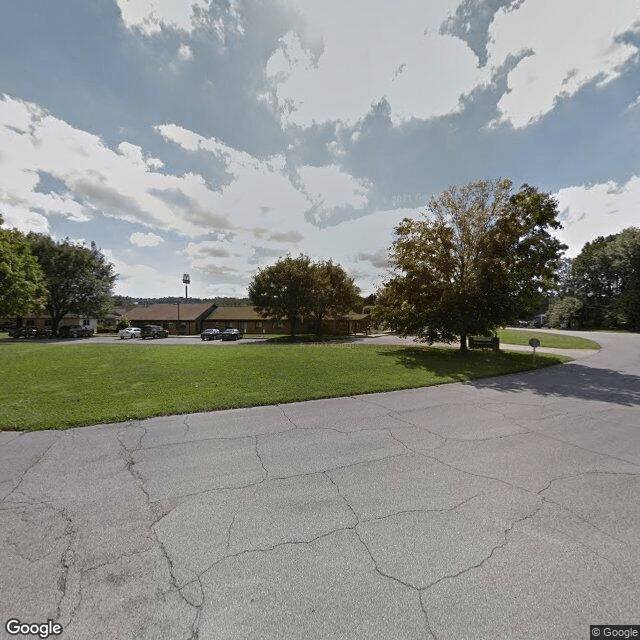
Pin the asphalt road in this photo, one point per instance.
(497, 509)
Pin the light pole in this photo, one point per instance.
(187, 281)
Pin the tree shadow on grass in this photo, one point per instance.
(452, 364)
(569, 381)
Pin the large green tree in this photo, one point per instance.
(79, 278)
(284, 290)
(334, 293)
(298, 289)
(606, 277)
(22, 286)
(565, 312)
(481, 256)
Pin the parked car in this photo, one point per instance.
(153, 331)
(211, 334)
(74, 331)
(231, 334)
(29, 331)
(129, 332)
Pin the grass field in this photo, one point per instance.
(547, 339)
(57, 386)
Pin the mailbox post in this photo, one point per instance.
(535, 343)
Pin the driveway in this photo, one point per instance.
(496, 509)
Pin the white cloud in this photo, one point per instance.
(329, 187)
(140, 279)
(134, 153)
(185, 52)
(150, 15)
(258, 185)
(25, 220)
(289, 236)
(121, 185)
(145, 239)
(573, 44)
(634, 105)
(202, 252)
(365, 44)
(598, 210)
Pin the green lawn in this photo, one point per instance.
(45, 386)
(547, 339)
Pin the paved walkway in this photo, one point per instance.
(503, 508)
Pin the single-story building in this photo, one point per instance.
(183, 319)
(245, 319)
(250, 321)
(44, 321)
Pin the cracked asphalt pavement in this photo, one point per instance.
(500, 508)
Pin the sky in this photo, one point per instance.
(212, 137)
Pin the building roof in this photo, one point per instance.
(226, 314)
(169, 312)
(223, 314)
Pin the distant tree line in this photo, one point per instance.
(129, 302)
(601, 286)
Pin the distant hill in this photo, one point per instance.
(127, 302)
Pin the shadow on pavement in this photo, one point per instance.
(574, 381)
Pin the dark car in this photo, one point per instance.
(231, 334)
(210, 334)
(74, 331)
(153, 331)
(29, 331)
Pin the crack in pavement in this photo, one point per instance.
(6, 442)
(197, 581)
(209, 439)
(542, 434)
(33, 464)
(586, 473)
(286, 415)
(139, 480)
(586, 546)
(502, 545)
(425, 510)
(266, 471)
(66, 561)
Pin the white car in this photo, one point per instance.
(129, 332)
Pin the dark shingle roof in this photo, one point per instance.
(169, 312)
(234, 313)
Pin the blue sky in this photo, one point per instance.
(214, 136)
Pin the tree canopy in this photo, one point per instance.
(479, 258)
(297, 289)
(334, 292)
(79, 278)
(22, 285)
(605, 277)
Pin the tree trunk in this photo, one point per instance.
(463, 341)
